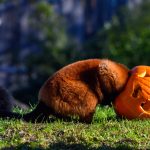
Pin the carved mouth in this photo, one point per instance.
(146, 106)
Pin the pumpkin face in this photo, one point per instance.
(134, 101)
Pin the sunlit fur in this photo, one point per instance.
(77, 89)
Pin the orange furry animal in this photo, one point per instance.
(76, 89)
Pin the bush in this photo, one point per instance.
(126, 38)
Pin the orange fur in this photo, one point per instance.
(77, 89)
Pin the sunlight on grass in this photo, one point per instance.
(105, 132)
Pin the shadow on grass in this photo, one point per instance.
(64, 146)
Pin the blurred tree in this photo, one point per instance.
(126, 38)
(54, 49)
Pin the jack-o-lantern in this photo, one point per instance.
(134, 101)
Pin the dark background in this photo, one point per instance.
(39, 37)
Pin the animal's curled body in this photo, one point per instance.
(76, 89)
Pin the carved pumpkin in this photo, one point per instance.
(134, 101)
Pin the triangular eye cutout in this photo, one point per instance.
(136, 91)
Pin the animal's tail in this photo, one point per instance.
(40, 114)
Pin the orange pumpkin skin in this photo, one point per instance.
(134, 101)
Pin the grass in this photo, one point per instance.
(105, 132)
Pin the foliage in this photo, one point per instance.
(54, 50)
(126, 38)
(106, 132)
(51, 39)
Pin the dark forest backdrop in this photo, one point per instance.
(39, 37)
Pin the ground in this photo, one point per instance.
(105, 132)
